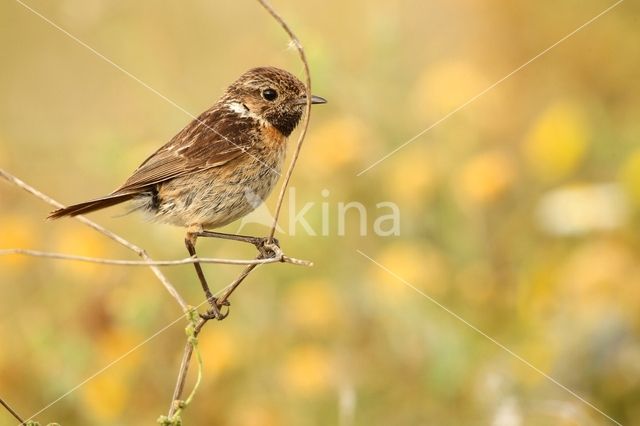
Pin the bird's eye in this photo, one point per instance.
(269, 94)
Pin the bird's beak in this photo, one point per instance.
(314, 100)
(317, 100)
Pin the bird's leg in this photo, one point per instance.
(259, 242)
(267, 250)
(190, 242)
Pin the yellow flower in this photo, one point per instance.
(557, 142)
(486, 177)
(308, 370)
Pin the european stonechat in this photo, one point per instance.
(214, 169)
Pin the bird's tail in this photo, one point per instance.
(92, 205)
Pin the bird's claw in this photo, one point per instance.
(269, 249)
(215, 312)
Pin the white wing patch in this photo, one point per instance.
(240, 109)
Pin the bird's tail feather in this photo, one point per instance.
(92, 205)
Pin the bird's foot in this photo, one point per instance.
(215, 312)
(268, 249)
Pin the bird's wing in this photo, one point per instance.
(212, 140)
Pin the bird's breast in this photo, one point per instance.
(272, 137)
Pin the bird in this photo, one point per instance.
(212, 172)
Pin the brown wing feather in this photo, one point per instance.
(89, 206)
(205, 143)
(216, 137)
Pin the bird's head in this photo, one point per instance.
(272, 95)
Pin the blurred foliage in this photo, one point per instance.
(344, 342)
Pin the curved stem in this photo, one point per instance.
(305, 122)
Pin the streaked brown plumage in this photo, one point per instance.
(220, 166)
(213, 171)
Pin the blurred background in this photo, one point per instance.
(519, 213)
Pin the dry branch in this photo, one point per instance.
(305, 124)
(280, 258)
(109, 234)
(11, 411)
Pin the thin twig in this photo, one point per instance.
(139, 251)
(305, 121)
(184, 368)
(231, 288)
(11, 410)
(182, 376)
(188, 349)
(124, 262)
